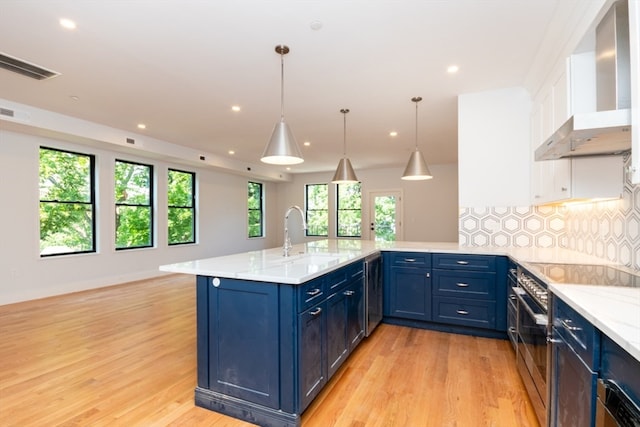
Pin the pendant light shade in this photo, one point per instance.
(417, 168)
(344, 173)
(282, 148)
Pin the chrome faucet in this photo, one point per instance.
(287, 242)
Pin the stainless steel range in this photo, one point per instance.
(531, 321)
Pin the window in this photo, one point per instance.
(349, 213)
(255, 212)
(134, 201)
(317, 203)
(67, 202)
(181, 207)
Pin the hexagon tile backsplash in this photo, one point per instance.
(609, 229)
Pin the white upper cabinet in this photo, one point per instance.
(634, 47)
(569, 89)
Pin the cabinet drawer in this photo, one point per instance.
(578, 333)
(310, 293)
(466, 312)
(343, 275)
(410, 259)
(464, 284)
(465, 262)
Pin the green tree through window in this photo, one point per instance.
(134, 205)
(317, 204)
(349, 213)
(67, 202)
(255, 214)
(181, 211)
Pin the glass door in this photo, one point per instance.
(385, 216)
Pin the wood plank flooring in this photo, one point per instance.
(126, 356)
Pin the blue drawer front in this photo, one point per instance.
(465, 262)
(464, 284)
(466, 312)
(310, 293)
(344, 275)
(410, 259)
(579, 334)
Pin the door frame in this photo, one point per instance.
(371, 195)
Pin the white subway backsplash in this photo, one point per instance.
(610, 230)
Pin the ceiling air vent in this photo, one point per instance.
(26, 69)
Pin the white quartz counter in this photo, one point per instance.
(614, 310)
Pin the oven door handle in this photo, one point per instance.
(540, 319)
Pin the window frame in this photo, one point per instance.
(338, 210)
(260, 210)
(192, 208)
(150, 206)
(92, 201)
(307, 210)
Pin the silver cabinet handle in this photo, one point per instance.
(348, 293)
(463, 312)
(316, 312)
(428, 275)
(462, 262)
(313, 292)
(566, 323)
(553, 340)
(409, 260)
(462, 285)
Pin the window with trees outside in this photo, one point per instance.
(67, 202)
(349, 212)
(134, 205)
(317, 209)
(181, 207)
(255, 211)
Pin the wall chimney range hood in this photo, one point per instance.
(606, 131)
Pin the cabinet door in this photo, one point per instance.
(312, 345)
(410, 293)
(573, 392)
(337, 342)
(355, 313)
(243, 343)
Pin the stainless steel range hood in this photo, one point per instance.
(608, 130)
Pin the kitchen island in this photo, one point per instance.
(272, 330)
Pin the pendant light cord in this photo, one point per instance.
(282, 86)
(344, 112)
(416, 100)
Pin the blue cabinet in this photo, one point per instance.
(265, 350)
(408, 285)
(470, 290)
(575, 361)
(449, 292)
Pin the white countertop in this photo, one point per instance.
(613, 310)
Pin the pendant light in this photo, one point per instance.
(417, 168)
(344, 173)
(282, 148)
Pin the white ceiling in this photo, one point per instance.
(179, 65)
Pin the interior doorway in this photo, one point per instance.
(385, 215)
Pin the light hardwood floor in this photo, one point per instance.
(126, 356)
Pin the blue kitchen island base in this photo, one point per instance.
(247, 411)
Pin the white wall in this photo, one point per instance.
(430, 207)
(493, 148)
(222, 203)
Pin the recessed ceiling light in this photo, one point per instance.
(235, 108)
(67, 23)
(306, 143)
(232, 152)
(315, 25)
(142, 126)
(75, 98)
(288, 168)
(452, 69)
(393, 133)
